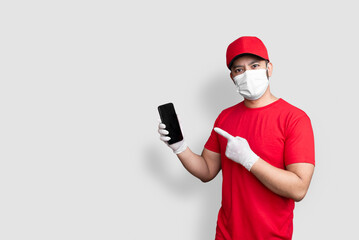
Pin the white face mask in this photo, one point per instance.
(252, 84)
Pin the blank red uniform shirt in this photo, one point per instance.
(280, 134)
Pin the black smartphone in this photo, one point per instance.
(169, 118)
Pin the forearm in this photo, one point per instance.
(195, 164)
(282, 182)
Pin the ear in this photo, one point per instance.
(270, 69)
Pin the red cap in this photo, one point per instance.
(243, 45)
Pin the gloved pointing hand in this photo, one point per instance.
(238, 150)
(177, 147)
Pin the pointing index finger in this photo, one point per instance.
(223, 133)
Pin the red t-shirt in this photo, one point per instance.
(280, 134)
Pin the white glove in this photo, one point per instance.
(177, 147)
(238, 150)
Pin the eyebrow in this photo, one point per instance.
(254, 61)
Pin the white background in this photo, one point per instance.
(80, 82)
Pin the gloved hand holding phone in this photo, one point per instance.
(177, 147)
(169, 128)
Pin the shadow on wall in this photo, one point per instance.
(217, 94)
(183, 185)
(158, 166)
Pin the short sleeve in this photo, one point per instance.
(212, 143)
(299, 142)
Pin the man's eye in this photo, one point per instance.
(238, 70)
(255, 65)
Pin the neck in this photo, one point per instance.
(265, 100)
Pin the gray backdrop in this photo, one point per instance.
(80, 82)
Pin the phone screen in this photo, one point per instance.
(169, 118)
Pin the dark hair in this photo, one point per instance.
(247, 54)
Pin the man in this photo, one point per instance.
(264, 147)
